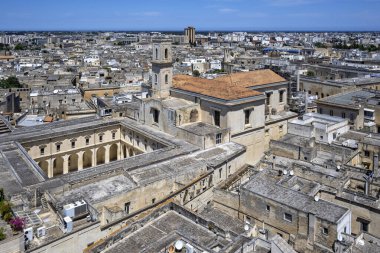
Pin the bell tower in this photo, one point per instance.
(162, 68)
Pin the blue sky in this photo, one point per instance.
(203, 14)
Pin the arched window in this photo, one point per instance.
(166, 78)
(156, 54)
(166, 53)
(155, 79)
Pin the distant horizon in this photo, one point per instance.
(197, 31)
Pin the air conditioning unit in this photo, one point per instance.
(74, 209)
(41, 231)
(68, 224)
(28, 232)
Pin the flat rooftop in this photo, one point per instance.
(351, 99)
(324, 210)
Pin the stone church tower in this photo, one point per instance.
(162, 69)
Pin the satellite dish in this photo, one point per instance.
(246, 227)
(178, 245)
(316, 198)
(291, 172)
(285, 172)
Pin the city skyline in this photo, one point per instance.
(213, 15)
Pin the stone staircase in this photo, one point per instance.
(3, 127)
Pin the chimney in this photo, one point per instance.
(375, 164)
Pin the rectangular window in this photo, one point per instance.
(281, 128)
(364, 225)
(331, 113)
(320, 111)
(247, 114)
(113, 136)
(366, 153)
(153, 200)
(73, 144)
(218, 138)
(220, 173)
(351, 116)
(281, 96)
(156, 115)
(217, 118)
(127, 207)
(343, 115)
(268, 208)
(288, 217)
(58, 147)
(42, 151)
(87, 141)
(100, 138)
(325, 231)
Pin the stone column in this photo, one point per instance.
(50, 167)
(94, 156)
(80, 160)
(107, 153)
(65, 164)
(119, 156)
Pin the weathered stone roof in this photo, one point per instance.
(230, 87)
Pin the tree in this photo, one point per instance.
(10, 82)
(310, 73)
(20, 47)
(196, 73)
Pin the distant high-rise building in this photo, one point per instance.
(190, 34)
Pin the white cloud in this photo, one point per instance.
(227, 10)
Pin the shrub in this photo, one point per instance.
(17, 223)
(8, 217)
(2, 235)
(5, 207)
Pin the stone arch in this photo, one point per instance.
(113, 152)
(44, 165)
(131, 153)
(58, 166)
(87, 159)
(194, 115)
(100, 156)
(73, 162)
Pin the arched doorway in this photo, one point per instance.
(124, 151)
(87, 159)
(100, 156)
(58, 166)
(194, 115)
(44, 165)
(73, 162)
(113, 152)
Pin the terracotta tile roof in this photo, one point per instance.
(229, 87)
